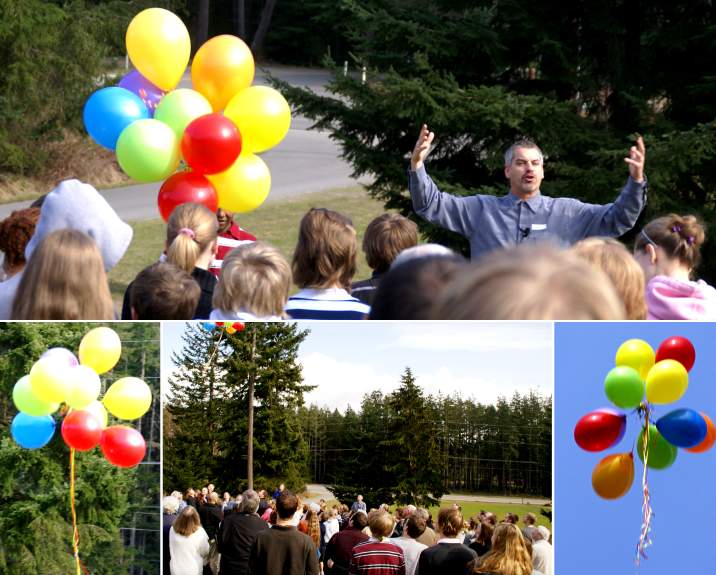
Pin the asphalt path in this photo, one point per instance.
(305, 161)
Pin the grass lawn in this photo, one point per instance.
(276, 223)
(470, 509)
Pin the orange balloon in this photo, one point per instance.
(613, 475)
(710, 438)
(222, 67)
(230, 330)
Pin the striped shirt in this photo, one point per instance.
(227, 241)
(376, 558)
(331, 303)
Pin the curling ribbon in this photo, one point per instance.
(75, 532)
(644, 538)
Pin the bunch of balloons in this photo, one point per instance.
(641, 380)
(217, 127)
(59, 377)
(228, 327)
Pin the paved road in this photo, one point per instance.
(319, 491)
(305, 161)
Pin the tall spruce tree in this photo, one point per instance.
(35, 518)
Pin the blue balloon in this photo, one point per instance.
(682, 427)
(109, 111)
(209, 326)
(32, 432)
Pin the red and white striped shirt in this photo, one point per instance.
(227, 241)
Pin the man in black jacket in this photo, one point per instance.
(237, 534)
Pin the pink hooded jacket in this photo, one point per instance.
(668, 298)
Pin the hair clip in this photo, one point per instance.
(187, 232)
(690, 240)
(676, 228)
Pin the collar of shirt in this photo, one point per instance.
(534, 203)
(450, 540)
(234, 231)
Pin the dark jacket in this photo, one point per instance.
(446, 559)
(236, 535)
(283, 550)
(339, 549)
(211, 516)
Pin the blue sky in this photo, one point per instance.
(596, 536)
(477, 359)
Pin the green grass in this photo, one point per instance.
(275, 223)
(470, 509)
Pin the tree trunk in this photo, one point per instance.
(264, 23)
(250, 441)
(202, 25)
(241, 19)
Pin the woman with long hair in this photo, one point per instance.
(64, 279)
(188, 544)
(509, 554)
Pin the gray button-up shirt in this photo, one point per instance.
(491, 222)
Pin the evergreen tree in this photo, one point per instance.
(35, 517)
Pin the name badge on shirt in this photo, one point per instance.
(539, 227)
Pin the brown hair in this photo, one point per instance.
(385, 237)
(15, 231)
(528, 283)
(381, 523)
(64, 279)
(485, 535)
(286, 504)
(163, 291)
(187, 522)
(509, 553)
(255, 277)
(191, 229)
(450, 521)
(679, 236)
(612, 257)
(314, 528)
(415, 526)
(325, 253)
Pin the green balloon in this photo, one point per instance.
(27, 402)
(148, 151)
(624, 387)
(180, 107)
(661, 453)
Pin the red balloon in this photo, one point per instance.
(122, 446)
(677, 348)
(184, 187)
(600, 429)
(211, 143)
(220, 324)
(238, 326)
(81, 430)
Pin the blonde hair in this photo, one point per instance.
(679, 236)
(64, 279)
(529, 283)
(614, 259)
(450, 521)
(325, 253)
(381, 523)
(509, 554)
(255, 277)
(187, 523)
(191, 229)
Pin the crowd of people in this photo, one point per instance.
(260, 534)
(533, 257)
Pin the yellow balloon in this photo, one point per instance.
(100, 349)
(85, 387)
(128, 398)
(159, 46)
(230, 330)
(666, 382)
(637, 354)
(98, 410)
(262, 115)
(613, 475)
(244, 186)
(50, 380)
(222, 67)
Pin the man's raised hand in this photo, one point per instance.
(422, 148)
(637, 156)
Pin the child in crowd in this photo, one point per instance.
(612, 257)
(668, 250)
(64, 279)
(254, 284)
(190, 245)
(163, 291)
(529, 283)
(409, 289)
(230, 236)
(385, 237)
(78, 206)
(15, 232)
(324, 263)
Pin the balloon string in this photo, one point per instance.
(646, 510)
(75, 531)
